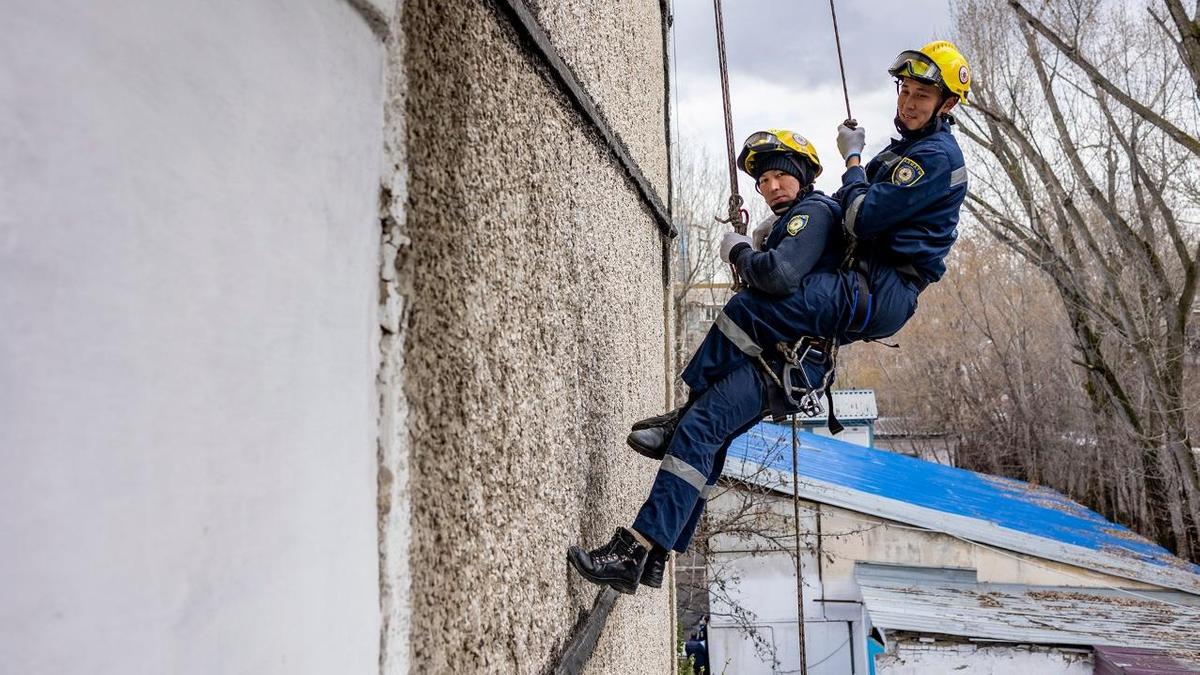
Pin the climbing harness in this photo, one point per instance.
(820, 352)
(860, 272)
(792, 391)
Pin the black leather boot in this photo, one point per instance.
(656, 567)
(651, 436)
(617, 564)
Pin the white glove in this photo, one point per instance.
(730, 240)
(762, 231)
(851, 139)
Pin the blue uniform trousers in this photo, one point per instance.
(696, 456)
(728, 388)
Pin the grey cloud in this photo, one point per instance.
(793, 41)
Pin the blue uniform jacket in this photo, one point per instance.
(903, 207)
(807, 237)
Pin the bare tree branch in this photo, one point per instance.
(1072, 53)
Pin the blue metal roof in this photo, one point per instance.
(909, 489)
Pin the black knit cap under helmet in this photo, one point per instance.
(793, 166)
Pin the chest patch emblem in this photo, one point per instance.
(907, 173)
(797, 223)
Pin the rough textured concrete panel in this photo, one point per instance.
(624, 76)
(535, 337)
(188, 284)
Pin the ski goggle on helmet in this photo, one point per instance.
(937, 63)
(776, 142)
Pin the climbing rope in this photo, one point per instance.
(837, 38)
(736, 216)
(796, 516)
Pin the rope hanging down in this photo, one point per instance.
(796, 516)
(837, 38)
(737, 216)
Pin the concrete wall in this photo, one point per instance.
(760, 585)
(534, 328)
(189, 249)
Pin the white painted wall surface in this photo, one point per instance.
(761, 579)
(826, 643)
(858, 434)
(188, 287)
(912, 658)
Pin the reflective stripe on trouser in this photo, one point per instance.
(696, 456)
(689, 529)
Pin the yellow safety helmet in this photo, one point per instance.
(776, 143)
(939, 63)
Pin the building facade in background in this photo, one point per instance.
(913, 567)
(323, 324)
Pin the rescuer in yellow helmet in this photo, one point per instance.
(800, 246)
(902, 208)
(779, 335)
(940, 65)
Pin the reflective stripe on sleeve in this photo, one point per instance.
(852, 212)
(707, 491)
(736, 335)
(958, 176)
(686, 472)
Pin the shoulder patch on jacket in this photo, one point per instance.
(797, 223)
(907, 173)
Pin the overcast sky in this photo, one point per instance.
(783, 70)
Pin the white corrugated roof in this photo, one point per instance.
(953, 602)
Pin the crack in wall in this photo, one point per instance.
(394, 509)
